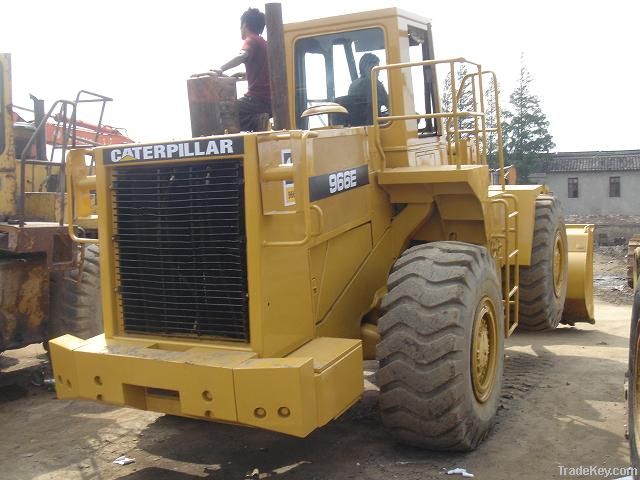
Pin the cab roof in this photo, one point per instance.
(352, 18)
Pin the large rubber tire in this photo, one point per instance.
(633, 391)
(542, 292)
(75, 300)
(634, 242)
(427, 395)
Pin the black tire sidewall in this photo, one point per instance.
(632, 385)
(543, 311)
(485, 412)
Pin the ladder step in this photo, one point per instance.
(514, 253)
(513, 214)
(513, 291)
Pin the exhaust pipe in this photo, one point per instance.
(277, 67)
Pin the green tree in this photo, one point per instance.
(465, 98)
(525, 128)
(490, 111)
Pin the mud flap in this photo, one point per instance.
(578, 307)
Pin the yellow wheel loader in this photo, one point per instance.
(246, 276)
(48, 286)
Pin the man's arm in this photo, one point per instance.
(234, 62)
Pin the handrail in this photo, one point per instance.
(90, 181)
(99, 98)
(68, 130)
(481, 129)
(25, 150)
(498, 128)
(510, 292)
(396, 66)
(301, 174)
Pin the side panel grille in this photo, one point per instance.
(180, 250)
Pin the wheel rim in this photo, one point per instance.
(484, 350)
(558, 264)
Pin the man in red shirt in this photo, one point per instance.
(254, 55)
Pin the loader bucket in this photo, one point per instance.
(578, 307)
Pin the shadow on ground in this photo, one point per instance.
(357, 445)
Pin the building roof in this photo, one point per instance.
(600, 161)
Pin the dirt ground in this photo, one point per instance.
(610, 275)
(562, 405)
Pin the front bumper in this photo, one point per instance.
(294, 394)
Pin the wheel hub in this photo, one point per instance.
(484, 350)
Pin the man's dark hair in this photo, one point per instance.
(367, 62)
(254, 20)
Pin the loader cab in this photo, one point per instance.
(333, 68)
(324, 60)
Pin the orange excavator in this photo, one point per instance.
(85, 133)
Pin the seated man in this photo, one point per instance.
(257, 100)
(360, 89)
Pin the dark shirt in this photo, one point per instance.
(361, 87)
(257, 67)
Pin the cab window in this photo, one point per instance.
(424, 82)
(337, 68)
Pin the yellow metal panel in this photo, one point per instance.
(254, 234)
(578, 306)
(459, 207)
(345, 254)
(277, 394)
(132, 373)
(526, 195)
(338, 366)
(108, 285)
(474, 178)
(42, 206)
(62, 357)
(285, 320)
(317, 258)
(326, 351)
(339, 386)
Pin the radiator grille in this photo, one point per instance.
(180, 249)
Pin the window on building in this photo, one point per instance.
(614, 186)
(573, 188)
